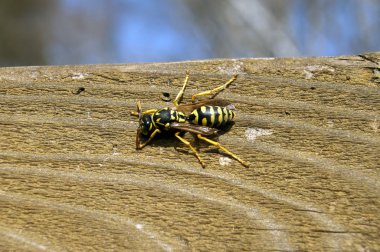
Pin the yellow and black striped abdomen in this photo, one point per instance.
(211, 116)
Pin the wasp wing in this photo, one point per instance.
(192, 128)
(190, 107)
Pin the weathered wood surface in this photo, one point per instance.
(71, 178)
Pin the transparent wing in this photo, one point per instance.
(192, 128)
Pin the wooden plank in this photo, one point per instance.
(71, 178)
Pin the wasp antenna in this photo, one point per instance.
(138, 105)
(138, 139)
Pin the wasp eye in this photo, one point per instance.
(145, 124)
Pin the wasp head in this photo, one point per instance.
(145, 124)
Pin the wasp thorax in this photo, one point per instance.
(163, 117)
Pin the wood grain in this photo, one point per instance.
(71, 178)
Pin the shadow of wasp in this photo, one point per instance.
(203, 119)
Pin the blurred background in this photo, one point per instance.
(57, 32)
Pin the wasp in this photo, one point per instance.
(204, 119)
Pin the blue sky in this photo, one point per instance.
(157, 31)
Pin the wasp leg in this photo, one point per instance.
(191, 147)
(246, 164)
(180, 94)
(140, 146)
(214, 92)
(149, 111)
